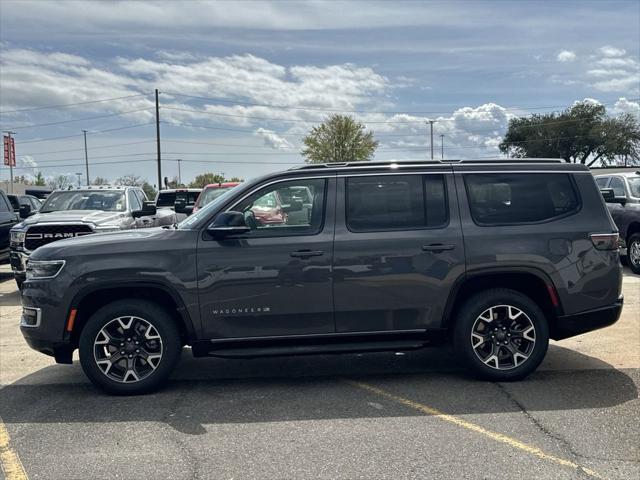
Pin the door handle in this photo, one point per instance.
(306, 253)
(437, 247)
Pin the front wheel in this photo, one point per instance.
(129, 347)
(501, 335)
(633, 253)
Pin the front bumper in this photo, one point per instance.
(571, 325)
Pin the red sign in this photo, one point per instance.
(9, 151)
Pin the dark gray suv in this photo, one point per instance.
(496, 256)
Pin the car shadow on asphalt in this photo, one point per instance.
(217, 391)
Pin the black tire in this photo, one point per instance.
(478, 305)
(148, 312)
(633, 260)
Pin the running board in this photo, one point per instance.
(228, 351)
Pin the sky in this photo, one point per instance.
(241, 82)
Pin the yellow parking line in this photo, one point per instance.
(9, 459)
(535, 451)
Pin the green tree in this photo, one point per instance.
(39, 180)
(205, 179)
(149, 190)
(339, 139)
(583, 133)
(235, 179)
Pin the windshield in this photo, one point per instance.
(210, 194)
(109, 201)
(204, 212)
(634, 186)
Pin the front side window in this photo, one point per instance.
(618, 187)
(507, 199)
(134, 201)
(110, 201)
(295, 207)
(3, 204)
(396, 202)
(602, 182)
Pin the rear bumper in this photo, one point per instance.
(571, 325)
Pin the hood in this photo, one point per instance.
(94, 217)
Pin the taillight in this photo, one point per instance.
(604, 241)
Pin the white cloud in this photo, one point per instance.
(626, 106)
(566, 56)
(273, 140)
(609, 51)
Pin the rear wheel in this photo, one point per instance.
(129, 347)
(501, 335)
(633, 253)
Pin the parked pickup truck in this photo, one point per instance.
(622, 194)
(78, 212)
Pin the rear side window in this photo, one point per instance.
(508, 199)
(396, 202)
(166, 199)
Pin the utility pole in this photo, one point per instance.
(442, 145)
(431, 122)
(11, 159)
(179, 174)
(158, 142)
(86, 155)
(79, 174)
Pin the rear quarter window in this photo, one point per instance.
(520, 198)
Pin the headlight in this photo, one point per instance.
(37, 269)
(18, 237)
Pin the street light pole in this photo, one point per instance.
(442, 145)
(86, 156)
(431, 122)
(158, 142)
(79, 174)
(179, 174)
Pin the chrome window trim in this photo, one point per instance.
(38, 317)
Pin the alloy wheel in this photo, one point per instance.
(503, 337)
(128, 349)
(634, 253)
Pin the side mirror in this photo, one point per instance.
(148, 209)
(607, 194)
(227, 224)
(25, 211)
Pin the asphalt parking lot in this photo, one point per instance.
(371, 416)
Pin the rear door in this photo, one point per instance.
(398, 250)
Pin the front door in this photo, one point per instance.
(276, 279)
(398, 250)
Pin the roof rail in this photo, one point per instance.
(425, 162)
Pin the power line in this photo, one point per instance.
(66, 105)
(317, 109)
(82, 119)
(99, 147)
(95, 132)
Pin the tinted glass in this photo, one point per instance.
(286, 208)
(210, 194)
(502, 199)
(618, 187)
(15, 203)
(3, 204)
(111, 201)
(634, 186)
(396, 202)
(166, 199)
(602, 181)
(134, 201)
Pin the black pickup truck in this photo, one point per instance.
(622, 194)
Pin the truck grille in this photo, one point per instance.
(39, 235)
